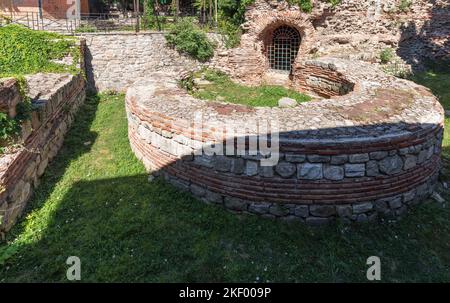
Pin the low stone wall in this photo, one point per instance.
(375, 151)
(320, 78)
(56, 98)
(114, 61)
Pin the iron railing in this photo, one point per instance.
(95, 22)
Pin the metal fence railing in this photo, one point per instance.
(86, 23)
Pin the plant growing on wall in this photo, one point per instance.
(186, 37)
(386, 55)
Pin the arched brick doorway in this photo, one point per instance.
(283, 48)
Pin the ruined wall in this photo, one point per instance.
(372, 152)
(357, 30)
(114, 61)
(56, 98)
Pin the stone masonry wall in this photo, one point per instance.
(338, 158)
(356, 30)
(56, 98)
(115, 61)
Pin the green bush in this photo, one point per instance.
(188, 38)
(24, 51)
(8, 128)
(404, 6)
(386, 55)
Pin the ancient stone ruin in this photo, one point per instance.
(367, 147)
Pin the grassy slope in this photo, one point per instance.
(95, 202)
(223, 89)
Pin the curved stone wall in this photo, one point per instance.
(375, 150)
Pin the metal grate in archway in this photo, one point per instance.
(283, 48)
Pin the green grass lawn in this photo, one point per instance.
(95, 202)
(222, 89)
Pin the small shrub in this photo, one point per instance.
(231, 33)
(8, 129)
(188, 38)
(305, 5)
(334, 3)
(386, 55)
(404, 6)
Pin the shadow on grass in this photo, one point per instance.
(127, 229)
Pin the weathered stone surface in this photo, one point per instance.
(266, 171)
(259, 208)
(287, 102)
(251, 168)
(339, 159)
(422, 157)
(235, 204)
(213, 197)
(344, 210)
(318, 158)
(410, 162)
(395, 202)
(378, 155)
(362, 207)
(204, 160)
(355, 170)
(308, 171)
(238, 166)
(42, 136)
(322, 210)
(409, 196)
(222, 163)
(359, 158)
(391, 165)
(301, 211)
(332, 172)
(285, 169)
(362, 218)
(278, 210)
(372, 169)
(295, 158)
(197, 190)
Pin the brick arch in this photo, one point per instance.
(260, 30)
(268, 22)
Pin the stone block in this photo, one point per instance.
(251, 168)
(301, 211)
(339, 159)
(358, 158)
(238, 166)
(318, 158)
(322, 210)
(310, 171)
(391, 165)
(235, 204)
(355, 170)
(285, 169)
(295, 158)
(332, 172)
(362, 207)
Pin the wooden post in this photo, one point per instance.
(145, 14)
(136, 12)
(217, 14)
(177, 9)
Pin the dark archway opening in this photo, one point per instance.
(283, 48)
